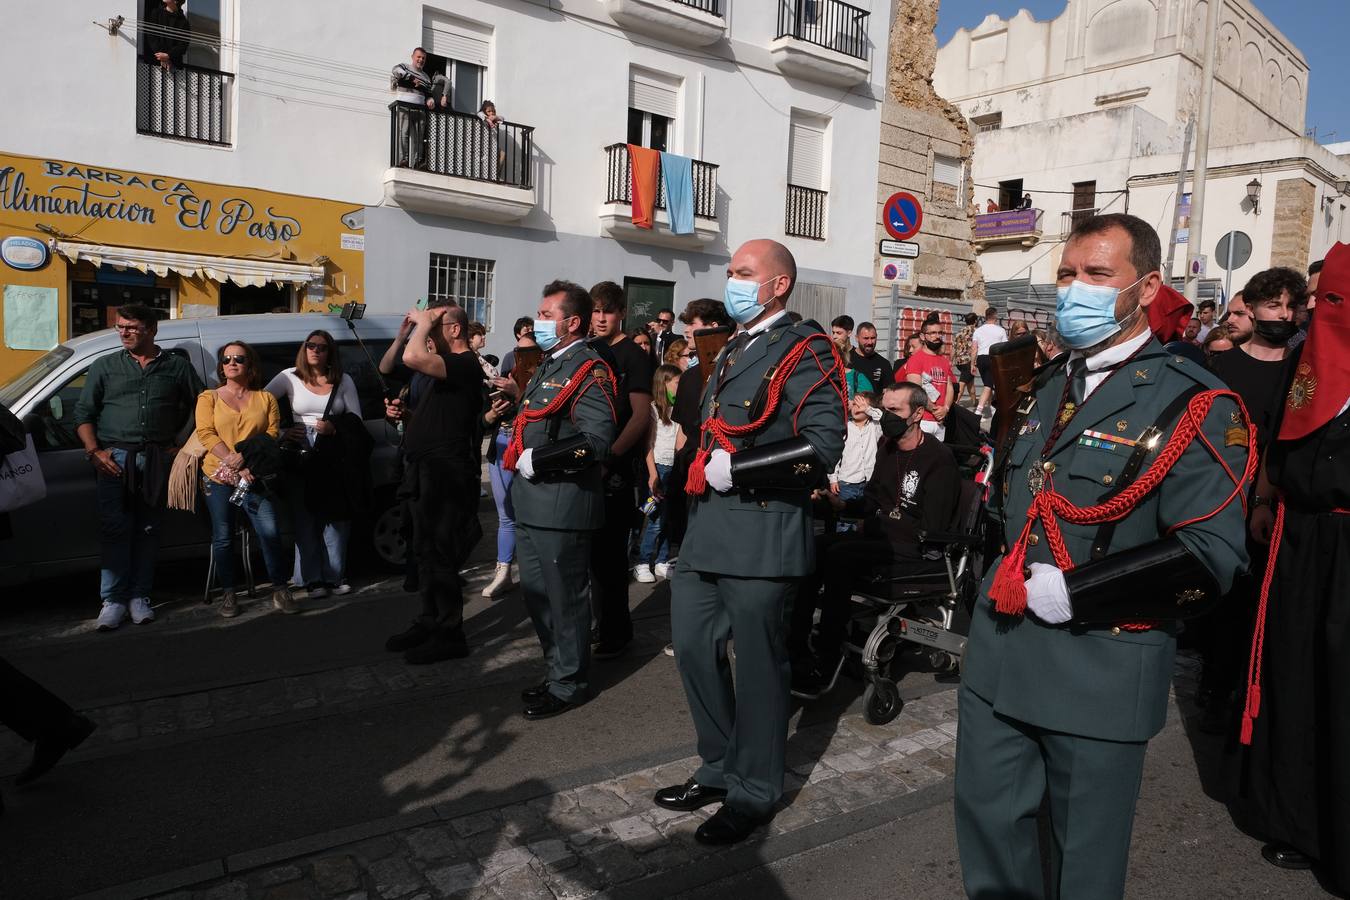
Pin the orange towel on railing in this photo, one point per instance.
(645, 164)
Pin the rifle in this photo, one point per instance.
(1014, 365)
(708, 343)
(526, 364)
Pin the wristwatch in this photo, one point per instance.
(1258, 500)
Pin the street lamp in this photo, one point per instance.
(1254, 195)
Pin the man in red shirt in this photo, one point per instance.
(932, 371)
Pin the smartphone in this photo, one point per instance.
(496, 395)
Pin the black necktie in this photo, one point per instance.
(1077, 380)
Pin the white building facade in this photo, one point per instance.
(1088, 112)
(777, 102)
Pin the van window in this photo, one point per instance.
(49, 362)
(56, 412)
(275, 357)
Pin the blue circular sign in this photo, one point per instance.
(24, 253)
(902, 215)
(890, 271)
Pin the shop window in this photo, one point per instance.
(93, 305)
(464, 281)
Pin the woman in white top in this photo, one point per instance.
(320, 545)
(664, 439)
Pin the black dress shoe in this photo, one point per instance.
(689, 796)
(49, 748)
(440, 647)
(605, 650)
(728, 826)
(1286, 857)
(548, 706)
(416, 635)
(532, 695)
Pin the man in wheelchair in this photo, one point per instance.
(914, 488)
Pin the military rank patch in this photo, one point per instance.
(1100, 440)
(1235, 437)
(1304, 387)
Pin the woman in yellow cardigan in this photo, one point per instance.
(237, 410)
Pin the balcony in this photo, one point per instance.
(1009, 226)
(616, 215)
(823, 41)
(454, 164)
(1070, 218)
(186, 103)
(805, 212)
(689, 23)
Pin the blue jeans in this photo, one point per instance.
(501, 495)
(851, 490)
(655, 548)
(128, 536)
(320, 547)
(262, 514)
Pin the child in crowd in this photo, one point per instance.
(664, 440)
(850, 477)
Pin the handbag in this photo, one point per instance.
(296, 458)
(21, 481)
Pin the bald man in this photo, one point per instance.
(749, 539)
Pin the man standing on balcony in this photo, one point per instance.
(166, 35)
(412, 88)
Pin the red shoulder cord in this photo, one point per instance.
(717, 430)
(1009, 590)
(1252, 708)
(571, 392)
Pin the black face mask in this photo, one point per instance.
(933, 346)
(1274, 330)
(893, 426)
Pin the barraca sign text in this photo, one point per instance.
(89, 193)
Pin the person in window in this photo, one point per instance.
(134, 404)
(317, 393)
(226, 418)
(1026, 202)
(412, 89)
(166, 34)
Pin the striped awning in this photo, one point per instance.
(244, 272)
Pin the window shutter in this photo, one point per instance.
(653, 95)
(445, 38)
(947, 170)
(806, 155)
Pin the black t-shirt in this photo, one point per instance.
(909, 491)
(875, 367)
(445, 422)
(633, 372)
(1260, 384)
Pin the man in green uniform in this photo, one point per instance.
(1055, 698)
(773, 416)
(563, 430)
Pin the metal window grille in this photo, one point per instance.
(619, 183)
(805, 215)
(708, 6)
(189, 103)
(826, 23)
(464, 281)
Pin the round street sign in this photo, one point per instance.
(902, 215)
(890, 272)
(1237, 243)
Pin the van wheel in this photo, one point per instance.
(388, 545)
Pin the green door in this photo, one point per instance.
(645, 299)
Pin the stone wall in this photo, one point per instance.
(1295, 200)
(916, 125)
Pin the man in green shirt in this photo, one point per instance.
(134, 404)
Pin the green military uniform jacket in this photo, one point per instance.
(766, 534)
(558, 500)
(1107, 683)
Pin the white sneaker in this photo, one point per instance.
(111, 615)
(141, 611)
(343, 588)
(317, 592)
(663, 570)
(669, 650)
(500, 583)
(643, 573)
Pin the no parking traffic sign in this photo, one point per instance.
(902, 215)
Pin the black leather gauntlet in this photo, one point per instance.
(1159, 580)
(563, 457)
(782, 465)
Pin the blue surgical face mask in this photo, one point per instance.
(742, 299)
(546, 334)
(1085, 314)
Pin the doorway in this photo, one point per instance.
(237, 300)
(646, 298)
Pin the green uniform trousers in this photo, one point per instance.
(742, 749)
(1004, 768)
(554, 578)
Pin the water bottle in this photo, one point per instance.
(649, 508)
(241, 492)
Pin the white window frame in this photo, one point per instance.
(655, 93)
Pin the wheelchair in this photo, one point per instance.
(931, 610)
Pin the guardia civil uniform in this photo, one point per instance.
(557, 512)
(1069, 709)
(743, 555)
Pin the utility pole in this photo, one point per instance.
(1193, 243)
(1176, 202)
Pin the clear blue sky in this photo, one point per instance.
(1316, 27)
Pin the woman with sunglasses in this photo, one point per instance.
(226, 417)
(314, 381)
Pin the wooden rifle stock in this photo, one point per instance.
(708, 343)
(526, 364)
(1014, 365)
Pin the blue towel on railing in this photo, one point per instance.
(678, 174)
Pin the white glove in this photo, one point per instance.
(1048, 595)
(525, 464)
(718, 471)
